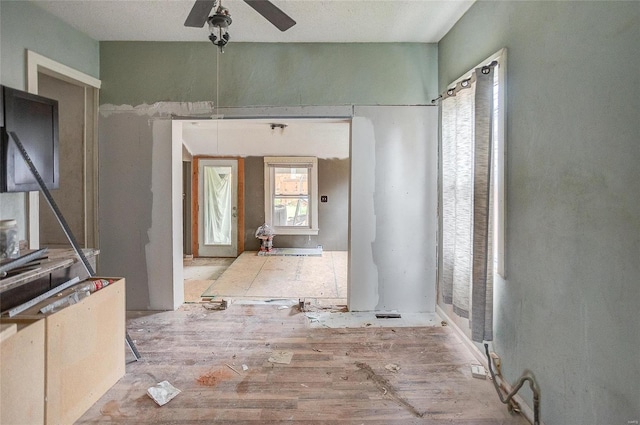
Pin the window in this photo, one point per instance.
(499, 155)
(472, 169)
(291, 188)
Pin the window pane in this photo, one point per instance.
(291, 181)
(217, 205)
(290, 194)
(291, 211)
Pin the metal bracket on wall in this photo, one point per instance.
(64, 225)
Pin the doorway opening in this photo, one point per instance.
(219, 208)
(320, 278)
(77, 96)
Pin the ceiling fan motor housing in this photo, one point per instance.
(218, 20)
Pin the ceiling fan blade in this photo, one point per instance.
(272, 13)
(199, 13)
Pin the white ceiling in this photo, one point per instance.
(331, 21)
(323, 138)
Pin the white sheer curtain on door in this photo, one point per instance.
(466, 280)
(217, 205)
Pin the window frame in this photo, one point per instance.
(270, 164)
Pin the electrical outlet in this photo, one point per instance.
(497, 362)
(477, 371)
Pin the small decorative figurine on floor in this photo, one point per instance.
(265, 234)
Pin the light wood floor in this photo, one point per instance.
(336, 376)
(200, 273)
(317, 279)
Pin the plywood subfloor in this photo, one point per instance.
(336, 376)
(200, 273)
(309, 277)
(193, 290)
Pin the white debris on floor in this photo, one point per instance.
(163, 392)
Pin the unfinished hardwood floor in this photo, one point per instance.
(368, 375)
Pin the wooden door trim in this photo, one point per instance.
(240, 205)
(195, 204)
(38, 64)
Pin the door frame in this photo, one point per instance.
(37, 64)
(195, 225)
(345, 112)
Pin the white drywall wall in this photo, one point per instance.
(393, 214)
(141, 202)
(393, 202)
(141, 194)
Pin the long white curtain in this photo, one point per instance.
(217, 204)
(466, 280)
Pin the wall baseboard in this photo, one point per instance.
(525, 409)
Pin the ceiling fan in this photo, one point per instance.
(220, 20)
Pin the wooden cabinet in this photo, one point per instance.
(81, 350)
(22, 375)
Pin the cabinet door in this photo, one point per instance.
(85, 352)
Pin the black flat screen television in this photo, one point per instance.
(34, 119)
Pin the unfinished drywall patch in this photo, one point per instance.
(363, 271)
(137, 191)
(394, 208)
(160, 109)
(165, 189)
(125, 202)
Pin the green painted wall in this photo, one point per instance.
(265, 74)
(569, 308)
(25, 26)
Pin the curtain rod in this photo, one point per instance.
(464, 84)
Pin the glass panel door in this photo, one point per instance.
(218, 208)
(217, 205)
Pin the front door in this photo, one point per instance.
(218, 208)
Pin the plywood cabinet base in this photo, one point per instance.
(81, 348)
(22, 375)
